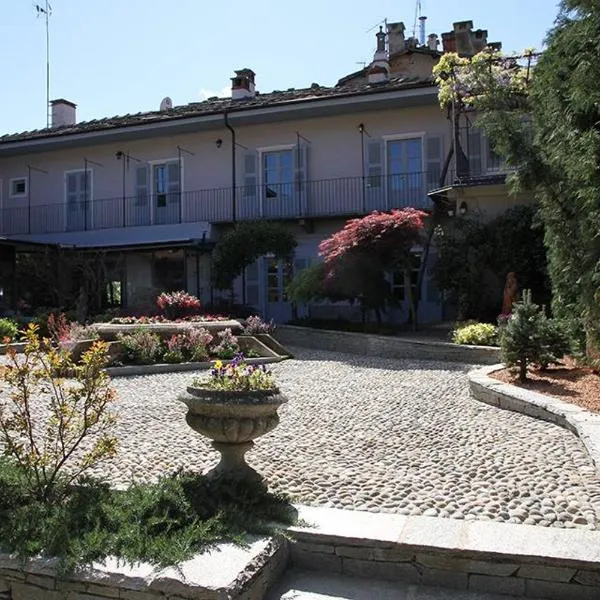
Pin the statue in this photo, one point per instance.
(511, 290)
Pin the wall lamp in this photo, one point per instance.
(463, 209)
(218, 143)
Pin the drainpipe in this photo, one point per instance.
(234, 192)
(233, 173)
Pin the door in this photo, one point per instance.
(79, 206)
(278, 275)
(278, 177)
(405, 177)
(166, 192)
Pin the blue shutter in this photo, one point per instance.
(434, 150)
(141, 186)
(475, 152)
(72, 190)
(173, 182)
(374, 176)
(249, 206)
(301, 178)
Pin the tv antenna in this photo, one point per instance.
(417, 16)
(46, 11)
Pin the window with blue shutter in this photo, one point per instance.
(433, 161)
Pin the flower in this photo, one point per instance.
(237, 376)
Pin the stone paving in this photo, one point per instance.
(379, 435)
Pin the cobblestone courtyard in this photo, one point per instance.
(379, 435)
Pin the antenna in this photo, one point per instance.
(417, 15)
(46, 10)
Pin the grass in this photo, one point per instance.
(163, 524)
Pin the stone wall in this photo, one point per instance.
(385, 346)
(456, 569)
(230, 573)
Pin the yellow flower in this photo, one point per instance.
(218, 364)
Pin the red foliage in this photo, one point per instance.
(387, 234)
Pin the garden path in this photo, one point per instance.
(381, 435)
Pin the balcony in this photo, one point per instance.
(324, 198)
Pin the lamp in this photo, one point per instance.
(361, 128)
(218, 143)
(463, 208)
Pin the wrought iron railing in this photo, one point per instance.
(345, 196)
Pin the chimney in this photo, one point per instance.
(463, 34)
(422, 21)
(379, 69)
(395, 33)
(448, 42)
(433, 42)
(63, 113)
(242, 85)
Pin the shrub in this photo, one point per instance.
(178, 305)
(478, 334)
(49, 451)
(255, 325)
(58, 327)
(529, 337)
(227, 344)
(8, 330)
(141, 347)
(78, 332)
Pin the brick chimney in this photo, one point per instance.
(464, 40)
(63, 112)
(396, 41)
(242, 85)
(433, 42)
(379, 70)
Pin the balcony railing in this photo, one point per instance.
(321, 198)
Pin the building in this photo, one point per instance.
(155, 190)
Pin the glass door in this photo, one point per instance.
(404, 169)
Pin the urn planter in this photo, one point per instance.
(232, 420)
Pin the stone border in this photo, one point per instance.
(521, 560)
(226, 573)
(582, 422)
(131, 370)
(17, 346)
(366, 344)
(109, 331)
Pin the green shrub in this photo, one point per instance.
(141, 347)
(530, 337)
(8, 329)
(477, 334)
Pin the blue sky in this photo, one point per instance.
(123, 56)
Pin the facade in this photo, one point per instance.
(156, 190)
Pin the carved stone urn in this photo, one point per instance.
(232, 420)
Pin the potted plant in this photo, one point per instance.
(233, 406)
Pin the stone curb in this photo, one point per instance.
(131, 370)
(521, 560)
(366, 344)
(582, 422)
(226, 573)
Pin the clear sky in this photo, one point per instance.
(123, 56)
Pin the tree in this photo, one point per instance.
(357, 257)
(244, 244)
(544, 121)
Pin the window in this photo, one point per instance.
(404, 171)
(278, 173)
(18, 187)
(166, 183)
(79, 189)
(399, 279)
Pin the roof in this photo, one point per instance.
(361, 73)
(314, 93)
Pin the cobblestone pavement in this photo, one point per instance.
(379, 435)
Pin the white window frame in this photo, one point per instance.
(10, 187)
(267, 150)
(396, 137)
(65, 192)
(163, 161)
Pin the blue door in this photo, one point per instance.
(404, 169)
(79, 206)
(278, 275)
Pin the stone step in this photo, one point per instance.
(479, 557)
(312, 585)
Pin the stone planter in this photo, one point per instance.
(77, 348)
(232, 420)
